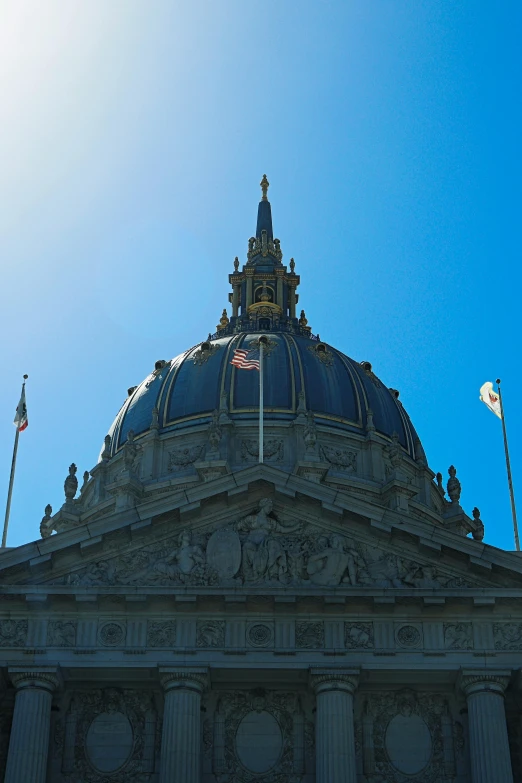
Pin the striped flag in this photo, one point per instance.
(21, 421)
(245, 359)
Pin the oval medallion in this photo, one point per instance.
(224, 553)
(109, 741)
(259, 741)
(408, 743)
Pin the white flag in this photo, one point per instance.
(20, 420)
(490, 398)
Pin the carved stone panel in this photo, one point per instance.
(112, 634)
(458, 636)
(13, 633)
(507, 636)
(210, 633)
(161, 633)
(358, 636)
(309, 635)
(260, 634)
(61, 633)
(408, 636)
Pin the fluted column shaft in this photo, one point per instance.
(181, 736)
(29, 742)
(334, 732)
(489, 747)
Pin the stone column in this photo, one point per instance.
(249, 290)
(292, 302)
(235, 300)
(488, 738)
(29, 743)
(334, 732)
(181, 736)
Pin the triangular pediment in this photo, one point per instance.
(305, 537)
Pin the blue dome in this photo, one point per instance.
(299, 371)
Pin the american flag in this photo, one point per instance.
(246, 360)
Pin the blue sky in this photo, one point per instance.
(133, 136)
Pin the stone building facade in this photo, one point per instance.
(194, 615)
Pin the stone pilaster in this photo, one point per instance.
(489, 748)
(334, 732)
(29, 743)
(181, 736)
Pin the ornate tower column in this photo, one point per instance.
(29, 743)
(334, 732)
(181, 735)
(489, 747)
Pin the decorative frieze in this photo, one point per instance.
(210, 633)
(13, 633)
(61, 633)
(309, 635)
(458, 636)
(112, 634)
(161, 633)
(358, 636)
(507, 636)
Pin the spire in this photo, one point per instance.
(264, 212)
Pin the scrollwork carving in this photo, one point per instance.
(133, 706)
(284, 710)
(343, 459)
(273, 449)
(390, 719)
(182, 458)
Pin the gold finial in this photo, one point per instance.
(265, 184)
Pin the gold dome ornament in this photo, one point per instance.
(224, 320)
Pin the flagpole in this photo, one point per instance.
(261, 400)
(508, 468)
(11, 480)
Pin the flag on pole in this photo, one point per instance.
(245, 359)
(490, 398)
(20, 420)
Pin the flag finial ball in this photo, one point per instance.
(26, 377)
(497, 381)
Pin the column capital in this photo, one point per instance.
(189, 678)
(474, 681)
(45, 678)
(323, 680)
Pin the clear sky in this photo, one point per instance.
(133, 136)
